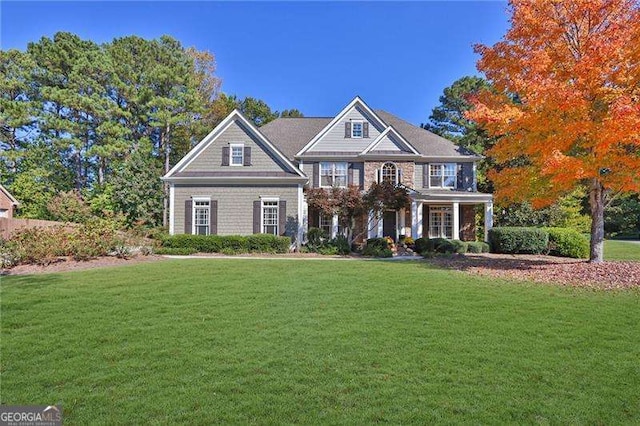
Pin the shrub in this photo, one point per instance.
(514, 240)
(316, 237)
(440, 245)
(377, 247)
(421, 245)
(567, 242)
(341, 244)
(477, 247)
(230, 244)
(177, 251)
(408, 241)
(459, 247)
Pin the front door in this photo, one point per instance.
(389, 224)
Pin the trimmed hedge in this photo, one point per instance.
(567, 242)
(421, 245)
(229, 244)
(377, 247)
(512, 240)
(176, 251)
(478, 247)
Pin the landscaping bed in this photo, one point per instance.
(65, 264)
(546, 269)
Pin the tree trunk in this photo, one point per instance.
(596, 202)
(165, 202)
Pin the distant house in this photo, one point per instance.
(8, 204)
(242, 180)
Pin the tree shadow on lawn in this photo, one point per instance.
(466, 262)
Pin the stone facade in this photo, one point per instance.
(371, 168)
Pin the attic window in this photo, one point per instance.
(356, 129)
(237, 154)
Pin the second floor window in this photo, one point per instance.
(356, 129)
(442, 175)
(237, 155)
(333, 174)
(389, 173)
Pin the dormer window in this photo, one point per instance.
(356, 129)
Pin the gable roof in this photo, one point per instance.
(426, 143)
(388, 133)
(355, 102)
(217, 131)
(292, 134)
(6, 192)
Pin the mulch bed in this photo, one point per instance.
(64, 264)
(546, 269)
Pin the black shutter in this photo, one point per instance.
(282, 217)
(247, 156)
(225, 155)
(213, 217)
(459, 176)
(188, 206)
(257, 210)
(377, 175)
(350, 174)
(365, 129)
(347, 129)
(316, 175)
(425, 175)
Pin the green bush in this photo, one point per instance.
(316, 237)
(377, 247)
(230, 244)
(567, 242)
(459, 247)
(177, 251)
(514, 240)
(421, 245)
(478, 247)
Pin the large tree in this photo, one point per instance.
(575, 67)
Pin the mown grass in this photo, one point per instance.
(622, 250)
(251, 341)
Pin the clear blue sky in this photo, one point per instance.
(312, 56)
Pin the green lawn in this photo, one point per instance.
(251, 341)
(621, 250)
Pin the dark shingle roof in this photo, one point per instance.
(290, 135)
(425, 142)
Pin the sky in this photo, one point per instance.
(313, 56)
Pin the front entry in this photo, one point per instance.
(389, 224)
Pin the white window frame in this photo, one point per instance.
(236, 145)
(441, 211)
(396, 177)
(194, 207)
(264, 200)
(332, 166)
(442, 175)
(328, 219)
(353, 127)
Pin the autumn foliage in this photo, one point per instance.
(566, 104)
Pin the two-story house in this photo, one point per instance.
(242, 180)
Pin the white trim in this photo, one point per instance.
(488, 218)
(381, 177)
(236, 145)
(337, 119)
(172, 208)
(215, 133)
(455, 231)
(270, 198)
(361, 122)
(455, 182)
(194, 199)
(301, 217)
(382, 135)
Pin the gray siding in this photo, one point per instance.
(388, 145)
(334, 140)
(211, 158)
(464, 180)
(235, 205)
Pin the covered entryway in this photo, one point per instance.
(389, 224)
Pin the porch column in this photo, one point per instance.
(416, 219)
(370, 225)
(334, 226)
(401, 223)
(456, 221)
(488, 218)
(380, 228)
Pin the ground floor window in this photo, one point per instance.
(325, 222)
(201, 216)
(440, 222)
(270, 217)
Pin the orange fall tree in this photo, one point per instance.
(565, 104)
